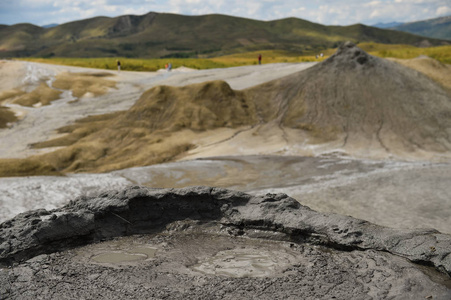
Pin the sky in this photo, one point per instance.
(327, 12)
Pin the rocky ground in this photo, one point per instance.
(204, 243)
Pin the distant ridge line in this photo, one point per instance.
(158, 35)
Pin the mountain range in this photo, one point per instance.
(439, 28)
(156, 35)
(387, 25)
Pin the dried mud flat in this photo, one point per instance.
(395, 194)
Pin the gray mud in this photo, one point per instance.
(388, 193)
(205, 243)
(309, 272)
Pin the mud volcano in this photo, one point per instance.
(211, 243)
(369, 106)
(353, 103)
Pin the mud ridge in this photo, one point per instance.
(139, 210)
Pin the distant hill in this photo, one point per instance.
(50, 25)
(169, 35)
(439, 28)
(387, 25)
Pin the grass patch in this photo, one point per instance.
(84, 83)
(26, 167)
(42, 94)
(434, 69)
(441, 53)
(268, 56)
(6, 116)
(10, 94)
(234, 60)
(158, 128)
(131, 64)
(77, 131)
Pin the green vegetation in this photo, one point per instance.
(159, 35)
(131, 64)
(440, 53)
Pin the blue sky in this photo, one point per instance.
(328, 12)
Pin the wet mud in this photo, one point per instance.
(211, 243)
(198, 264)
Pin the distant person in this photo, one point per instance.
(259, 59)
(166, 67)
(118, 65)
(170, 67)
(321, 55)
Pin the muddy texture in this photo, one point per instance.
(299, 271)
(138, 210)
(396, 194)
(366, 106)
(377, 108)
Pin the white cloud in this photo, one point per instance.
(443, 10)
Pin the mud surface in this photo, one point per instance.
(395, 194)
(190, 264)
(138, 210)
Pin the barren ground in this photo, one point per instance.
(386, 192)
(395, 193)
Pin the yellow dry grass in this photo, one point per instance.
(158, 128)
(26, 167)
(42, 94)
(79, 130)
(440, 53)
(10, 94)
(430, 67)
(82, 83)
(6, 116)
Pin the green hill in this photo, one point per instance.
(168, 35)
(439, 28)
